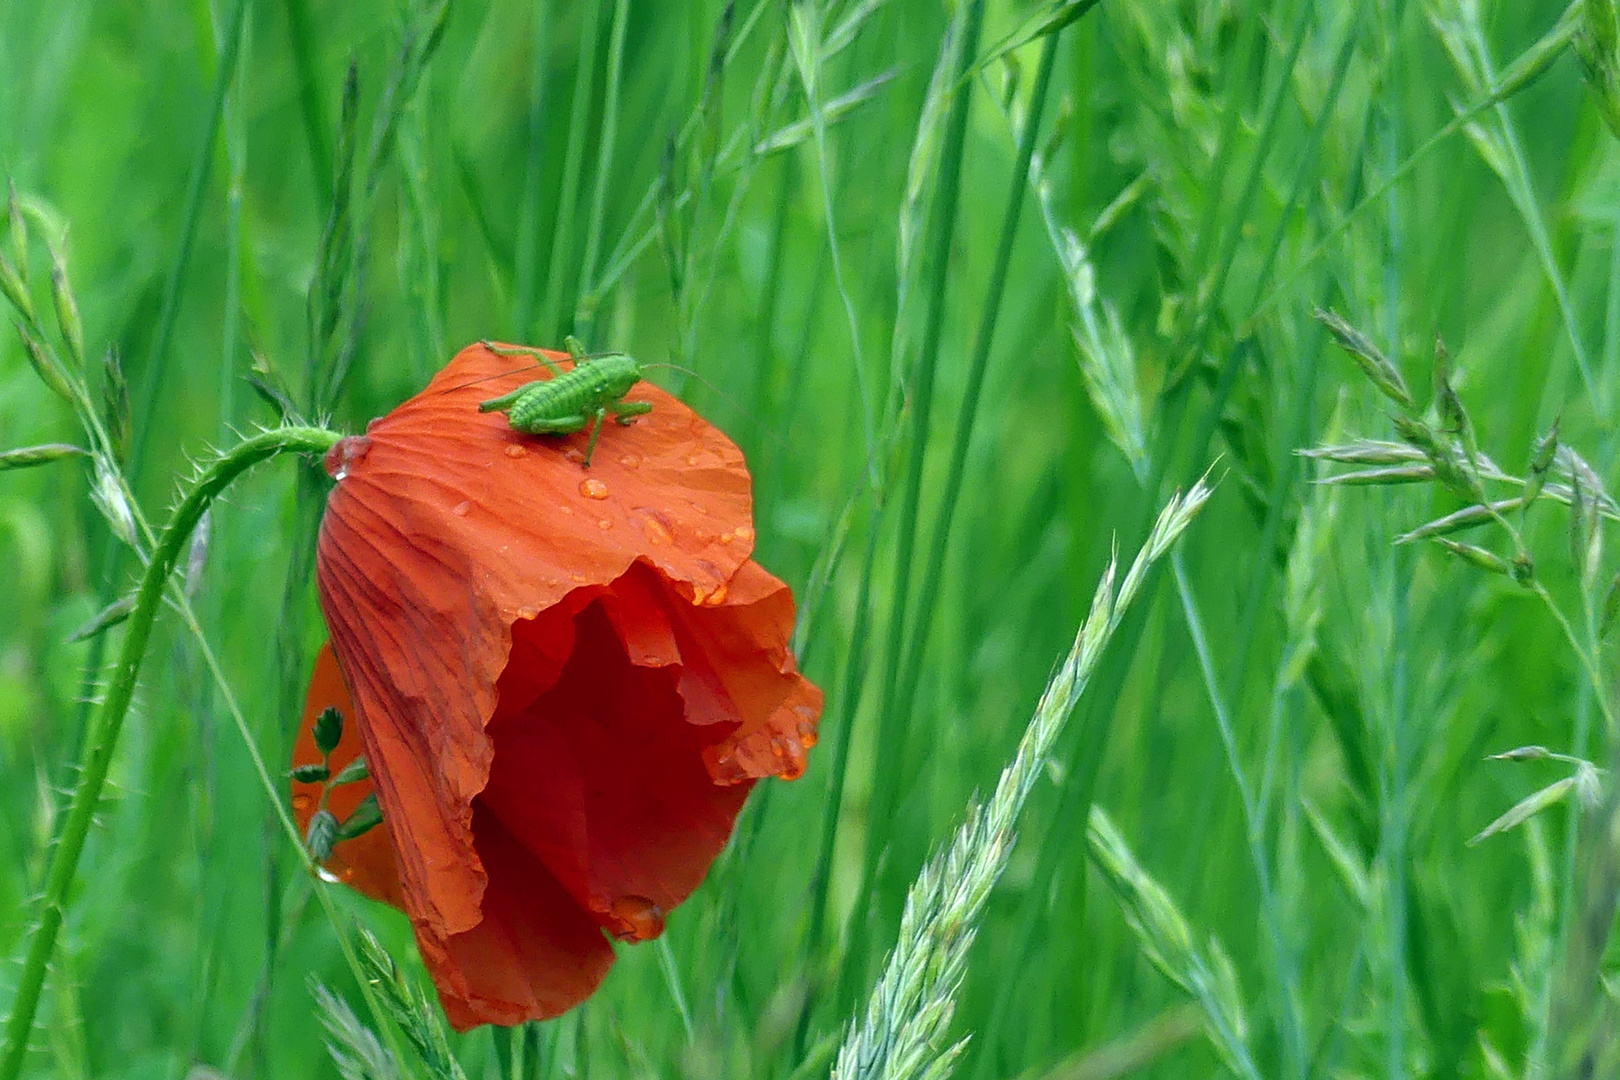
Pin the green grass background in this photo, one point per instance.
(1240, 133)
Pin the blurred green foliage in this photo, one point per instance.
(1198, 163)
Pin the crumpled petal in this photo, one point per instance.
(567, 681)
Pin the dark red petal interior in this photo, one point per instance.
(601, 777)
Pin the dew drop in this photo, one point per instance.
(301, 802)
(744, 532)
(593, 488)
(576, 456)
(631, 461)
(528, 611)
(700, 508)
(604, 524)
(462, 508)
(345, 454)
(691, 459)
(579, 579)
(654, 531)
(725, 538)
(569, 510)
(517, 450)
(635, 918)
(718, 597)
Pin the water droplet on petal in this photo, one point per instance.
(517, 450)
(718, 597)
(301, 802)
(691, 459)
(725, 538)
(461, 508)
(604, 524)
(654, 531)
(528, 611)
(635, 918)
(593, 488)
(700, 508)
(345, 454)
(744, 532)
(631, 461)
(579, 579)
(576, 456)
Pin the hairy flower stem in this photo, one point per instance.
(109, 720)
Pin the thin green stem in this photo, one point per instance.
(891, 726)
(528, 230)
(109, 719)
(191, 216)
(911, 670)
(562, 233)
(1254, 830)
(585, 320)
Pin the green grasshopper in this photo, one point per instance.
(573, 400)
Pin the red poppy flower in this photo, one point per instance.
(564, 681)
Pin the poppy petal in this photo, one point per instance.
(534, 954)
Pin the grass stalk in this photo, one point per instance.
(528, 230)
(607, 135)
(190, 218)
(968, 411)
(552, 300)
(103, 740)
(904, 1030)
(891, 724)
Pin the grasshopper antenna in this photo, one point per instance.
(781, 444)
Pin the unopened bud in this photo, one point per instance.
(1477, 556)
(1373, 363)
(1541, 460)
(19, 229)
(11, 284)
(27, 456)
(108, 617)
(328, 730)
(67, 308)
(321, 835)
(115, 405)
(310, 774)
(45, 366)
(108, 495)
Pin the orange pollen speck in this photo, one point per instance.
(301, 802)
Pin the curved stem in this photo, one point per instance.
(109, 720)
